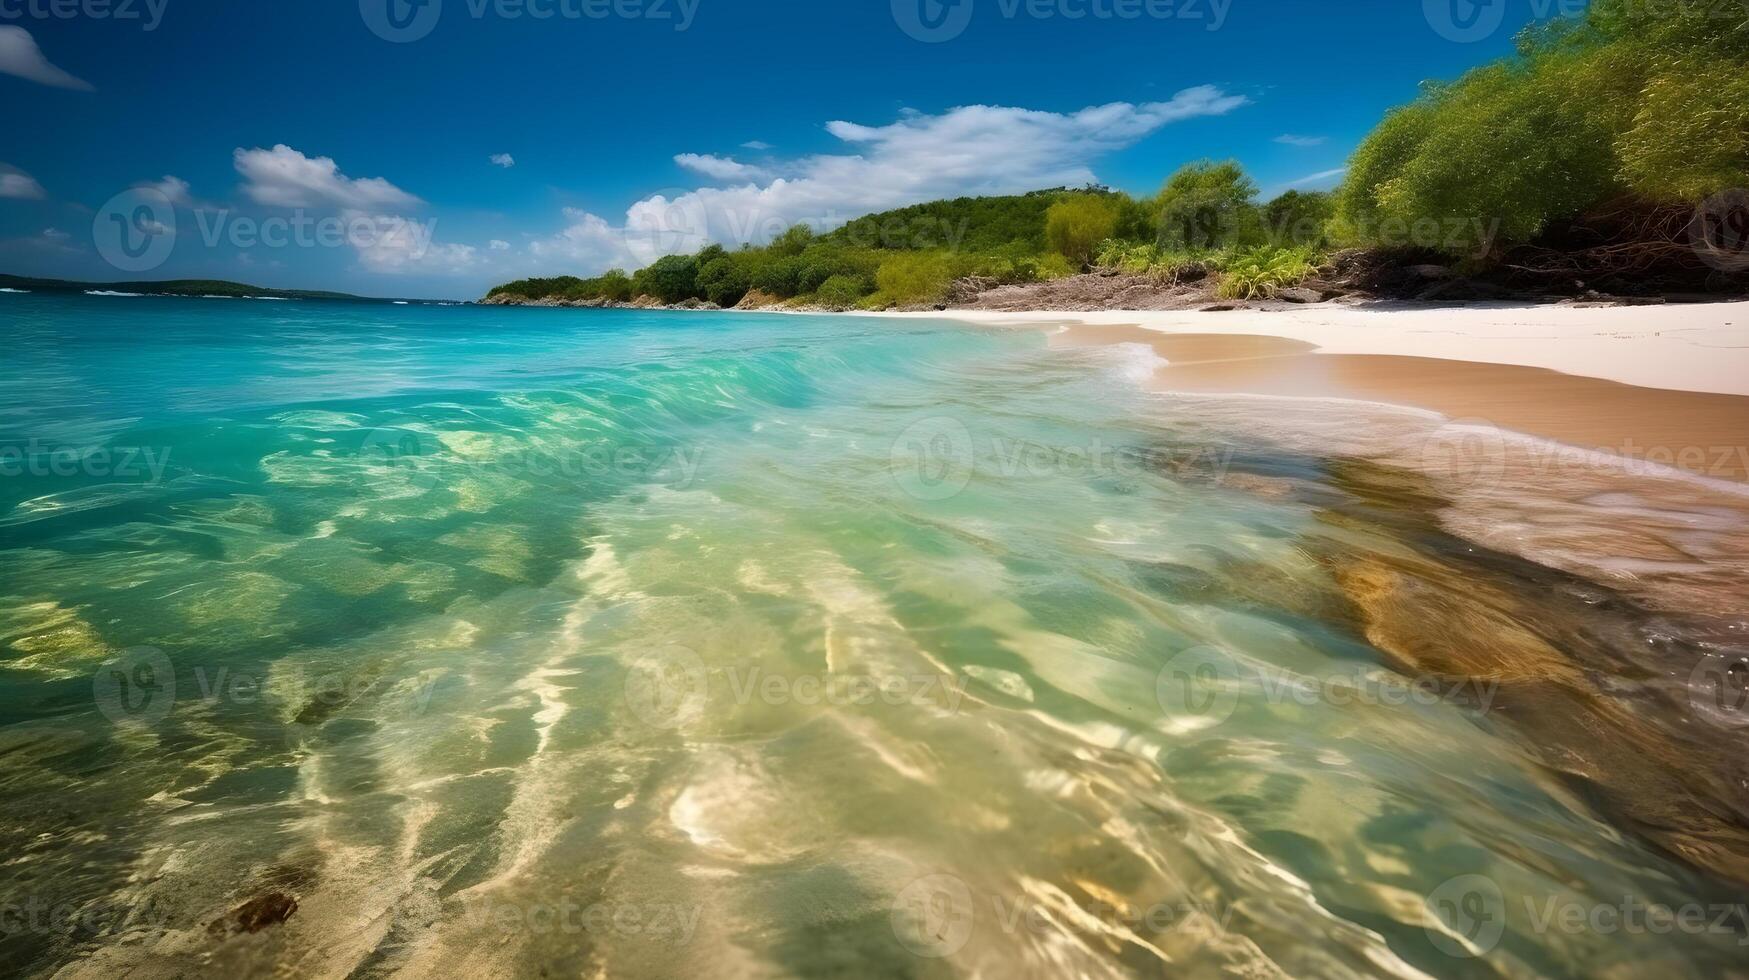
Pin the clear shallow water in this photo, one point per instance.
(658, 644)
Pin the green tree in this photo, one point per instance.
(843, 292)
(1629, 105)
(1075, 225)
(1298, 217)
(794, 240)
(671, 278)
(724, 279)
(1206, 205)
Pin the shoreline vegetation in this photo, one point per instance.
(1607, 161)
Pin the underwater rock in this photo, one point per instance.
(255, 915)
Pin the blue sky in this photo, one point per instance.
(632, 135)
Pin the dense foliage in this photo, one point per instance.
(1632, 102)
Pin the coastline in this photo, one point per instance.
(1661, 385)
(1610, 443)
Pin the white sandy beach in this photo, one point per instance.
(1679, 347)
(1662, 383)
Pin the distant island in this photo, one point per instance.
(1607, 161)
(197, 288)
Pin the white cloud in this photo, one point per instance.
(718, 168)
(1318, 178)
(757, 146)
(174, 188)
(394, 245)
(20, 56)
(587, 245)
(53, 240)
(968, 150)
(16, 183)
(498, 245)
(504, 160)
(285, 178)
(1289, 139)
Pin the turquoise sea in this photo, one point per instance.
(356, 640)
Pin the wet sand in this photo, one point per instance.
(1705, 433)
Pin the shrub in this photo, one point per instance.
(1298, 218)
(1075, 225)
(793, 241)
(911, 278)
(781, 277)
(724, 280)
(1263, 272)
(843, 292)
(670, 279)
(1628, 101)
(1206, 205)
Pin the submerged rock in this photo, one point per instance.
(255, 915)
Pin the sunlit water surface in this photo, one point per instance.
(662, 644)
